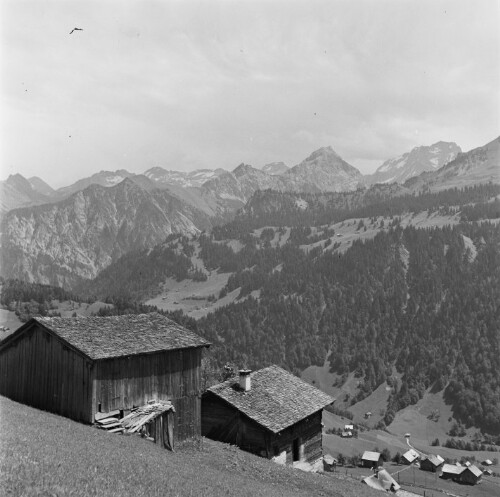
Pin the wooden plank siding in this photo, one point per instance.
(223, 422)
(39, 370)
(127, 382)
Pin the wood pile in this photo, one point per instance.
(140, 416)
(111, 425)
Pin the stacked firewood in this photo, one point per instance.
(111, 423)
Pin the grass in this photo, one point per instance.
(45, 454)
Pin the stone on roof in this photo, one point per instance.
(276, 400)
(116, 336)
(371, 456)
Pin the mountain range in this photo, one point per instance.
(61, 236)
(62, 242)
(323, 170)
(420, 159)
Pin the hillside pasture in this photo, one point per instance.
(376, 403)
(46, 454)
(8, 319)
(192, 297)
(416, 420)
(67, 308)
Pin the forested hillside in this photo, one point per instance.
(271, 208)
(422, 302)
(419, 300)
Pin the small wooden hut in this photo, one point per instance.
(410, 456)
(431, 463)
(451, 472)
(471, 475)
(79, 367)
(371, 459)
(269, 412)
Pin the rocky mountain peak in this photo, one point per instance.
(275, 168)
(40, 186)
(323, 152)
(243, 169)
(19, 181)
(418, 160)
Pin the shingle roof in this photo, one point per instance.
(277, 399)
(474, 470)
(411, 455)
(434, 460)
(371, 456)
(453, 469)
(116, 336)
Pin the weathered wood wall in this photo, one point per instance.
(127, 382)
(222, 422)
(37, 369)
(309, 433)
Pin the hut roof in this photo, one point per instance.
(434, 460)
(371, 456)
(142, 415)
(411, 455)
(474, 470)
(382, 481)
(116, 336)
(452, 469)
(277, 399)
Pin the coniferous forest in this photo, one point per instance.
(415, 299)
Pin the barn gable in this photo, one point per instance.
(78, 367)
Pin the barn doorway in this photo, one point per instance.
(296, 450)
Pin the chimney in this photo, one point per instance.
(245, 379)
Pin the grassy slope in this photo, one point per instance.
(65, 308)
(41, 453)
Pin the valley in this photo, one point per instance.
(370, 294)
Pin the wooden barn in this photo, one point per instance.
(471, 475)
(431, 463)
(410, 456)
(371, 459)
(81, 366)
(451, 472)
(269, 412)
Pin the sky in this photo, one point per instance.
(187, 85)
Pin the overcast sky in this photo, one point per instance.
(186, 85)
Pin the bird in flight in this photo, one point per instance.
(76, 29)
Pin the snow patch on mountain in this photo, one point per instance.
(415, 162)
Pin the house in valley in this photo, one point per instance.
(371, 459)
(451, 471)
(410, 456)
(471, 475)
(84, 366)
(269, 412)
(431, 463)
